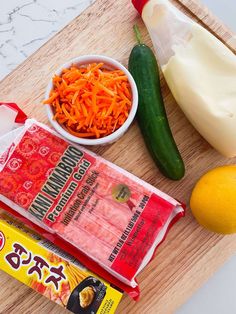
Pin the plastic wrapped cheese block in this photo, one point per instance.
(108, 214)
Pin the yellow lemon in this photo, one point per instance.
(213, 200)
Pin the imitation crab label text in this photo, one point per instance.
(71, 163)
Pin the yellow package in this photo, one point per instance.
(50, 271)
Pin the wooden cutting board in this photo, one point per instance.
(190, 254)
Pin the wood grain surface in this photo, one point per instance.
(190, 254)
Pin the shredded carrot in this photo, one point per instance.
(91, 101)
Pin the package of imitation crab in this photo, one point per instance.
(112, 219)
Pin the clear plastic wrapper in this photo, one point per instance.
(111, 216)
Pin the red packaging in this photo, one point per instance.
(139, 4)
(111, 216)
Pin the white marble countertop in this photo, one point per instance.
(25, 25)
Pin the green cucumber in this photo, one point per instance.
(151, 112)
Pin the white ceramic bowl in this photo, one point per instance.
(109, 63)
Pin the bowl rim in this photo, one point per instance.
(85, 59)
